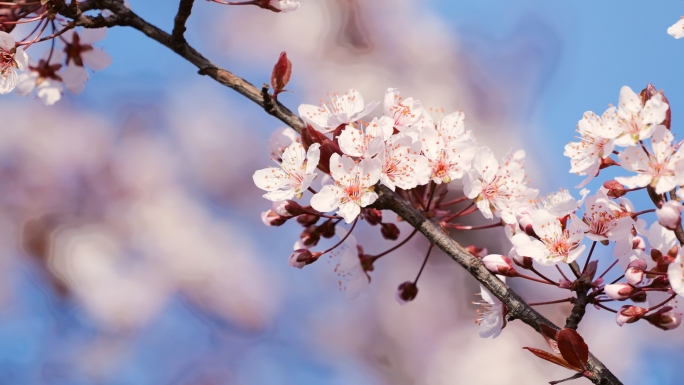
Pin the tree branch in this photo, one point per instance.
(184, 10)
(518, 309)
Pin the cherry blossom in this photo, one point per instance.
(555, 244)
(12, 58)
(604, 219)
(655, 168)
(495, 187)
(404, 112)
(596, 143)
(353, 280)
(294, 176)
(448, 148)
(369, 142)
(492, 316)
(80, 52)
(45, 76)
(675, 273)
(281, 139)
(284, 6)
(402, 164)
(560, 203)
(637, 120)
(353, 187)
(341, 109)
(670, 214)
(677, 29)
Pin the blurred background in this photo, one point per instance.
(132, 246)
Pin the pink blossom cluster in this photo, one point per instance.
(349, 153)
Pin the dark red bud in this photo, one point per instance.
(307, 220)
(526, 262)
(389, 231)
(310, 236)
(607, 162)
(282, 71)
(327, 229)
(372, 216)
(406, 292)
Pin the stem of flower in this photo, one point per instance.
(561, 273)
(453, 202)
(654, 273)
(376, 257)
(343, 238)
(643, 212)
(591, 251)
(451, 217)
(608, 269)
(459, 227)
(535, 271)
(605, 307)
(662, 303)
(536, 279)
(423, 265)
(569, 299)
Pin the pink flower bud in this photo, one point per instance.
(303, 257)
(614, 189)
(389, 231)
(638, 243)
(499, 264)
(619, 291)
(479, 252)
(279, 207)
(406, 292)
(669, 215)
(629, 314)
(270, 218)
(666, 318)
(293, 208)
(524, 219)
(524, 262)
(635, 272)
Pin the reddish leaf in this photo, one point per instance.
(310, 136)
(281, 74)
(552, 358)
(328, 147)
(572, 348)
(549, 335)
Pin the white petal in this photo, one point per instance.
(677, 30)
(96, 59)
(327, 199)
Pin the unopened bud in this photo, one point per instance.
(293, 208)
(406, 292)
(666, 318)
(629, 314)
(389, 231)
(270, 218)
(669, 214)
(614, 189)
(635, 271)
(327, 229)
(524, 262)
(310, 236)
(307, 220)
(303, 257)
(373, 216)
(639, 296)
(619, 291)
(638, 243)
(499, 264)
(523, 215)
(479, 252)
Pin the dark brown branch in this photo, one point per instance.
(184, 10)
(518, 309)
(578, 309)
